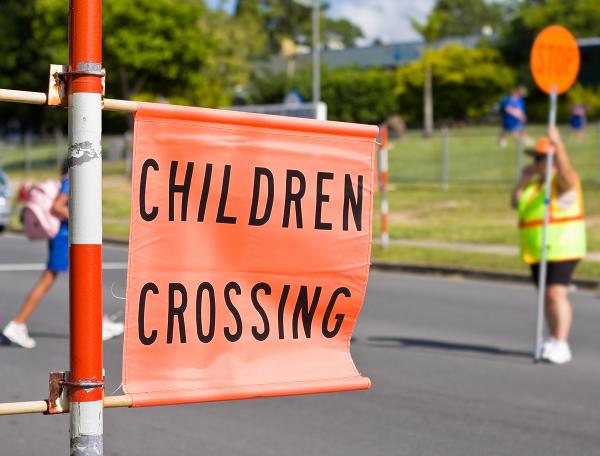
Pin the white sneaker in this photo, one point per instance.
(547, 346)
(111, 328)
(17, 333)
(558, 352)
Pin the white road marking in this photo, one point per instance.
(16, 267)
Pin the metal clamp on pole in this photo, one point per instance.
(57, 401)
(85, 384)
(59, 75)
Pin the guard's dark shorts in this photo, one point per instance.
(559, 272)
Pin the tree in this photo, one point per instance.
(472, 80)
(527, 19)
(176, 50)
(352, 94)
(29, 42)
(342, 30)
(286, 19)
(154, 46)
(467, 17)
(430, 32)
(581, 17)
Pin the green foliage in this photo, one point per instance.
(466, 17)
(176, 50)
(153, 46)
(430, 30)
(287, 19)
(588, 96)
(454, 18)
(342, 30)
(352, 94)
(466, 82)
(28, 44)
(581, 17)
(529, 17)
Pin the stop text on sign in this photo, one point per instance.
(554, 59)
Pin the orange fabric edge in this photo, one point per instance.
(156, 398)
(187, 113)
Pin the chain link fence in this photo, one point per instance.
(452, 156)
(475, 155)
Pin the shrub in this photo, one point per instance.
(352, 94)
(466, 83)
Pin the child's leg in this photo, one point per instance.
(36, 294)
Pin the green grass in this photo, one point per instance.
(443, 257)
(469, 211)
(465, 213)
(474, 156)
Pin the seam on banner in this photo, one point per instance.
(247, 385)
(218, 126)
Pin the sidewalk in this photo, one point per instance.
(472, 248)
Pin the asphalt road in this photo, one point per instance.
(449, 361)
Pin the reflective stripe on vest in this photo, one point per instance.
(566, 229)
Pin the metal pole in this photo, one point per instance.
(543, 260)
(86, 390)
(383, 189)
(519, 158)
(316, 57)
(445, 159)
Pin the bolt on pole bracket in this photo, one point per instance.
(57, 82)
(58, 385)
(56, 399)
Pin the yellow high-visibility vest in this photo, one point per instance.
(566, 227)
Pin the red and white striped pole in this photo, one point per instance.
(383, 188)
(86, 389)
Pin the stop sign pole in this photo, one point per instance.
(543, 269)
(554, 64)
(86, 380)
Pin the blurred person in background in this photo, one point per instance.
(58, 262)
(578, 121)
(514, 119)
(566, 238)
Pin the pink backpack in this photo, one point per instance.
(38, 221)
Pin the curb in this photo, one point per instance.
(475, 274)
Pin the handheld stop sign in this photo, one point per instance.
(555, 60)
(554, 64)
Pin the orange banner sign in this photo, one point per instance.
(555, 59)
(248, 255)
